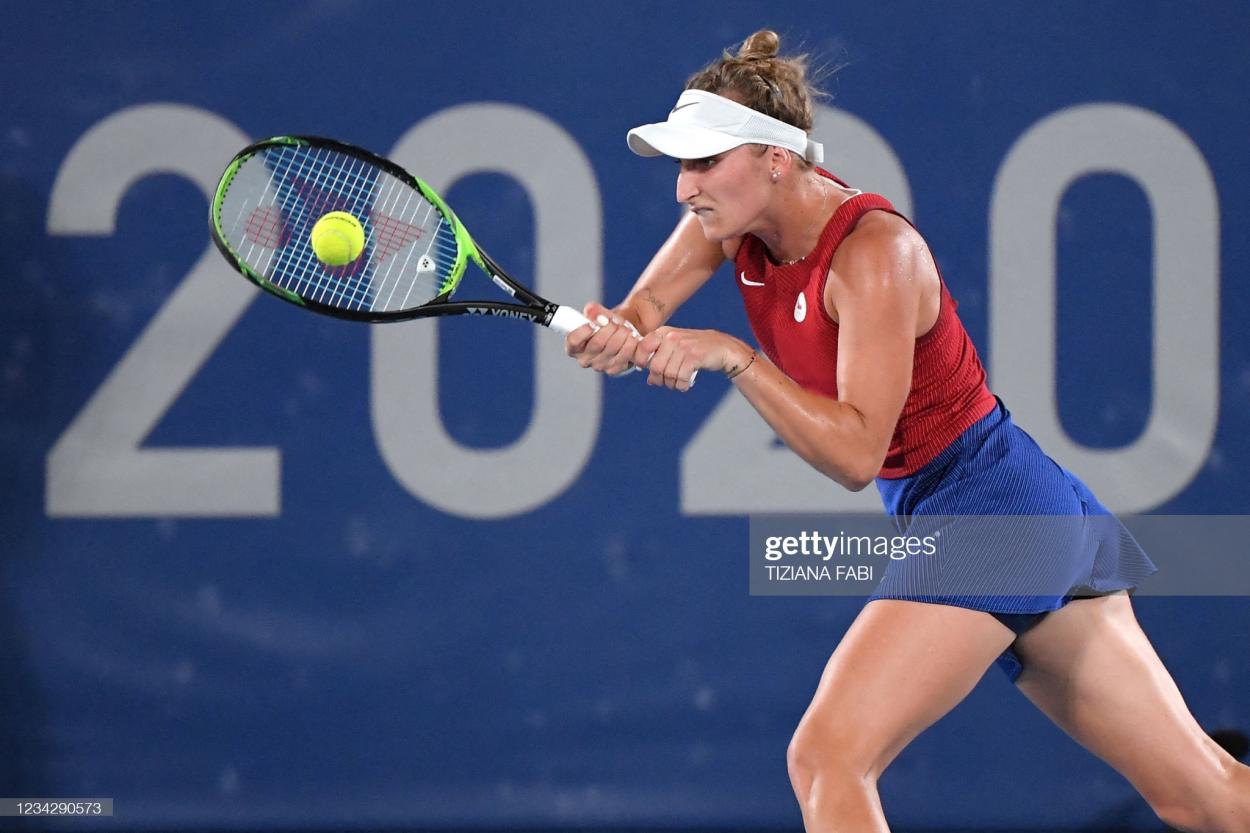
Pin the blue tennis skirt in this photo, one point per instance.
(1019, 535)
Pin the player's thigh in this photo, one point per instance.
(900, 667)
(1091, 669)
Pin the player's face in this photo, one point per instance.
(727, 192)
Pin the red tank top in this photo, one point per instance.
(784, 303)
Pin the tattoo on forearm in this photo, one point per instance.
(659, 305)
(737, 370)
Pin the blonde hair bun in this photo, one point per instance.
(761, 79)
(762, 45)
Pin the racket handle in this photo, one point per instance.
(566, 319)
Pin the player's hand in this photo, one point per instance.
(673, 355)
(609, 344)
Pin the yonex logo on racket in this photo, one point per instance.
(497, 312)
(393, 234)
(266, 228)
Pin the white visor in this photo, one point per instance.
(703, 124)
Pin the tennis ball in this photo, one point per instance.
(337, 238)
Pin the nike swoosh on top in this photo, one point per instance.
(743, 278)
(682, 106)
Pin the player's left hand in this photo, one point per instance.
(675, 355)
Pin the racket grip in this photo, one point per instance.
(566, 319)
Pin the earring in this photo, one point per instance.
(776, 175)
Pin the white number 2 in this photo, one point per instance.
(98, 468)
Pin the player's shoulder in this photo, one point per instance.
(880, 240)
(880, 232)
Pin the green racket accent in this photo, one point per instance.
(465, 247)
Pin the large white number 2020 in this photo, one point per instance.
(97, 467)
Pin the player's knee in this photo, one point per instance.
(1220, 805)
(825, 763)
(1193, 817)
(1177, 805)
(800, 766)
(1176, 816)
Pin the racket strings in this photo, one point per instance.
(312, 189)
(283, 259)
(326, 181)
(277, 196)
(266, 228)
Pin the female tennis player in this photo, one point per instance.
(866, 372)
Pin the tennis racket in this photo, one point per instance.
(415, 249)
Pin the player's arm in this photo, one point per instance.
(683, 264)
(875, 288)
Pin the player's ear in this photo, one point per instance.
(779, 160)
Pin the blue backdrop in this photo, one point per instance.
(267, 569)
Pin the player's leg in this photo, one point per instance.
(1090, 668)
(900, 667)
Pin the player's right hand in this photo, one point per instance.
(607, 344)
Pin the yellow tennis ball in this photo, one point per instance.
(337, 238)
